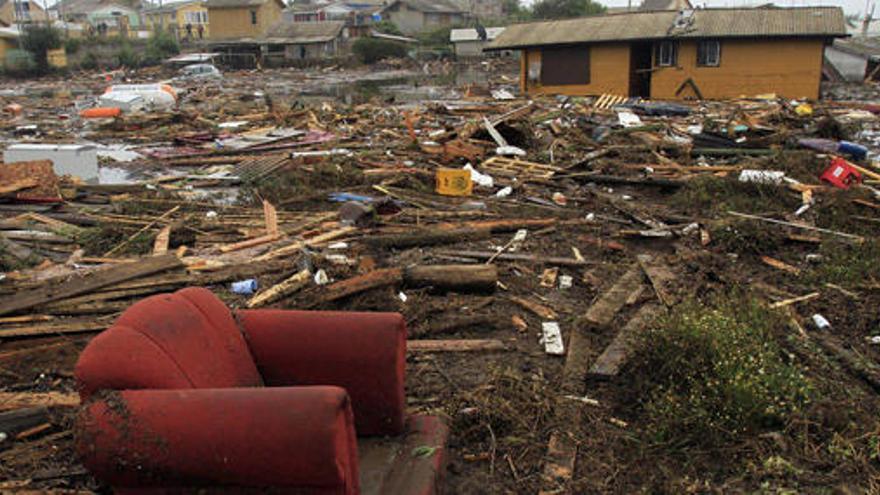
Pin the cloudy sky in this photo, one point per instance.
(849, 6)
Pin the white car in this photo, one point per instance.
(199, 71)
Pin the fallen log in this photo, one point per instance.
(458, 277)
(344, 288)
(82, 285)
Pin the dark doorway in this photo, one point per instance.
(640, 70)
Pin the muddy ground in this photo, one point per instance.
(501, 405)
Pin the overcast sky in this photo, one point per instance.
(849, 6)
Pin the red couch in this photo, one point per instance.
(181, 394)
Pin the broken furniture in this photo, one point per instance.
(182, 394)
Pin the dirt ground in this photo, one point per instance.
(502, 406)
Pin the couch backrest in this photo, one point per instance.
(187, 339)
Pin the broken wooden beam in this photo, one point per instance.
(467, 345)
(19, 400)
(284, 288)
(91, 282)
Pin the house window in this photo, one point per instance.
(254, 17)
(666, 54)
(709, 53)
(569, 65)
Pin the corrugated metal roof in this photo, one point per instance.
(304, 32)
(433, 6)
(470, 34)
(705, 23)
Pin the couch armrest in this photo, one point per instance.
(298, 437)
(364, 353)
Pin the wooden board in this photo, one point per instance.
(512, 167)
(91, 282)
(614, 356)
(18, 400)
(660, 276)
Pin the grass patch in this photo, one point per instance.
(847, 263)
(746, 236)
(713, 195)
(716, 374)
(301, 182)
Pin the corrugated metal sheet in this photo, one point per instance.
(470, 34)
(706, 23)
(304, 32)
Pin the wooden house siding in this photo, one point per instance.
(236, 22)
(609, 71)
(790, 68)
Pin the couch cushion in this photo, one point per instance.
(187, 339)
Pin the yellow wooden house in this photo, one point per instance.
(689, 54)
(237, 19)
(186, 19)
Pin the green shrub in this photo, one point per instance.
(20, 63)
(371, 50)
(72, 45)
(387, 27)
(127, 56)
(160, 46)
(716, 374)
(38, 40)
(89, 61)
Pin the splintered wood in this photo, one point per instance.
(512, 167)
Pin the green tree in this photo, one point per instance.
(562, 9)
(38, 40)
(387, 27)
(370, 50)
(160, 46)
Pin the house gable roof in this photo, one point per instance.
(304, 32)
(432, 6)
(239, 4)
(825, 22)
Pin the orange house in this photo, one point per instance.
(691, 54)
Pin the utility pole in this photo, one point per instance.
(869, 14)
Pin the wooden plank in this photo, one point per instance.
(361, 283)
(614, 356)
(467, 345)
(19, 400)
(540, 310)
(57, 329)
(91, 282)
(286, 287)
(660, 276)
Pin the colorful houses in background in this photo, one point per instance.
(186, 20)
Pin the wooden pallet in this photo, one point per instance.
(512, 167)
(257, 167)
(608, 100)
